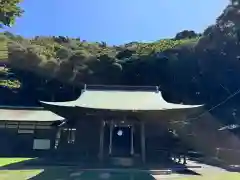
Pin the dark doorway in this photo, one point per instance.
(121, 141)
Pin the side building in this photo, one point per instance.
(27, 131)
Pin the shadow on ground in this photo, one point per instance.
(52, 170)
(74, 174)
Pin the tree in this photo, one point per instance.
(186, 34)
(234, 2)
(9, 11)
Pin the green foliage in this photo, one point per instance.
(162, 45)
(12, 84)
(9, 10)
(67, 59)
(63, 53)
(235, 2)
(3, 49)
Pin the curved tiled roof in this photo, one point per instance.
(128, 99)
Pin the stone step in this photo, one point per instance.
(122, 161)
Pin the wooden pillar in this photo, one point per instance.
(143, 148)
(111, 134)
(101, 144)
(132, 139)
(58, 137)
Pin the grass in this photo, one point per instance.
(214, 176)
(19, 174)
(8, 161)
(16, 174)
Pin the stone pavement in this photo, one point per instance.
(203, 168)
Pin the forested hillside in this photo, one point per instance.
(190, 68)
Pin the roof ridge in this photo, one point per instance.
(121, 88)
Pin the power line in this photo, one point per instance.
(229, 127)
(214, 107)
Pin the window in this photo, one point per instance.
(41, 144)
(26, 126)
(12, 125)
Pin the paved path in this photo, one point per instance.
(204, 169)
(61, 173)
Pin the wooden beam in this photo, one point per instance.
(101, 143)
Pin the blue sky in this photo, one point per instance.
(116, 21)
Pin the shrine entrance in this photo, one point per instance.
(122, 141)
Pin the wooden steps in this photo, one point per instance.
(122, 161)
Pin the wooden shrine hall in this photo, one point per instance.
(115, 121)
